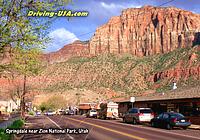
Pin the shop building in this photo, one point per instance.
(186, 102)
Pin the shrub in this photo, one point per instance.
(31, 113)
(3, 135)
(16, 124)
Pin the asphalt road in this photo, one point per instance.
(105, 130)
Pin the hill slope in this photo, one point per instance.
(124, 73)
(128, 55)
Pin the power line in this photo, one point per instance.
(118, 22)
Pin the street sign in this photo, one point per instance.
(132, 99)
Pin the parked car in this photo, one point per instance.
(138, 115)
(38, 113)
(169, 120)
(4, 117)
(60, 112)
(50, 113)
(70, 112)
(92, 113)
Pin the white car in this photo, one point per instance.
(60, 112)
(38, 113)
(50, 113)
(92, 113)
(139, 115)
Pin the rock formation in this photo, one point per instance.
(138, 31)
(147, 31)
(77, 48)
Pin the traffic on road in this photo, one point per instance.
(103, 121)
(107, 129)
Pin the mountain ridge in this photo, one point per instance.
(99, 68)
(141, 32)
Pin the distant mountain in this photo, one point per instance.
(138, 31)
(143, 49)
(77, 48)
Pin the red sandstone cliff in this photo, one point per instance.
(139, 31)
(77, 48)
(181, 70)
(159, 30)
(146, 31)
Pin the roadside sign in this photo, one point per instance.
(132, 99)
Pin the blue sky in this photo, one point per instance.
(100, 11)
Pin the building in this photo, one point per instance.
(3, 106)
(185, 101)
(8, 106)
(85, 107)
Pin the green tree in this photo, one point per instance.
(27, 36)
(55, 102)
(25, 62)
(43, 107)
(18, 29)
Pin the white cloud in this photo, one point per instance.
(111, 6)
(60, 37)
(116, 7)
(196, 11)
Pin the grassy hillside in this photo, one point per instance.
(121, 73)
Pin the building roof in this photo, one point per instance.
(172, 94)
(4, 103)
(87, 105)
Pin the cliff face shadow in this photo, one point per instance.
(196, 40)
(155, 22)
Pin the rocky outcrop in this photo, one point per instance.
(183, 70)
(138, 31)
(177, 73)
(147, 31)
(77, 48)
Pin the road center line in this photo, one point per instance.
(150, 128)
(158, 130)
(108, 129)
(72, 138)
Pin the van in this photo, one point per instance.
(138, 115)
(108, 111)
